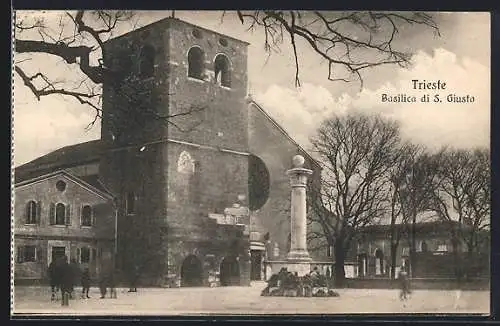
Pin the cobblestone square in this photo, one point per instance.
(247, 301)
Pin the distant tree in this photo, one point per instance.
(463, 196)
(353, 41)
(355, 152)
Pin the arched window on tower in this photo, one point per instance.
(195, 62)
(222, 70)
(185, 164)
(147, 61)
(186, 171)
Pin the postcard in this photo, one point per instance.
(250, 163)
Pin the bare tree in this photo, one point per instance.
(463, 197)
(79, 42)
(416, 194)
(354, 41)
(355, 151)
(404, 157)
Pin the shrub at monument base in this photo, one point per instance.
(288, 284)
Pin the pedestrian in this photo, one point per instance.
(112, 284)
(107, 280)
(75, 271)
(404, 284)
(54, 279)
(134, 276)
(103, 285)
(85, 280)
(65, 277)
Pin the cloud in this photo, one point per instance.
(433, 124)
(47, 126)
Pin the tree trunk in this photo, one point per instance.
(394, 248)
(339, 272)
(456, 258)
(413, 245)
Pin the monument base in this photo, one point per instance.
(301, 268)
(298, 256)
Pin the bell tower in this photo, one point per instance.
(176, 90)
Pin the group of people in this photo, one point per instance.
(64, 276)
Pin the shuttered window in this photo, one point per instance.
(60, 214)
(86, 215)
(85, 255)
(31, 212)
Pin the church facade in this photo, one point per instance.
(193, 169)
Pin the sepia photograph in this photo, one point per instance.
(250, 163)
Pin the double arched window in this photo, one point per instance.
(196, 65)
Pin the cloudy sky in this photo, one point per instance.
(460, 56)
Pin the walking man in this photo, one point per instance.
(74, 270)
(85, 283)
(54, 279)
(404, 284)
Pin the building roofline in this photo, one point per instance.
(72, 177)
(170, 19)
(28, 166)
(54, 164)
(284, 132)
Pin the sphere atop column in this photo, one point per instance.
(298, 161)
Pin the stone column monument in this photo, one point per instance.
(298, 259)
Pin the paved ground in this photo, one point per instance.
(247, 300)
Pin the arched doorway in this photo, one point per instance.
(191, 272)
(379, 262)
(229, 271)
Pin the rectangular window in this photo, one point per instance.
(26, 254)
(85, 255)
(329, 251)
(130, 203)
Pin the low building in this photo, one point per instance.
(436, 256)
(58, 214)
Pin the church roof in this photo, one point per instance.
(283, 131)
(64, 157)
